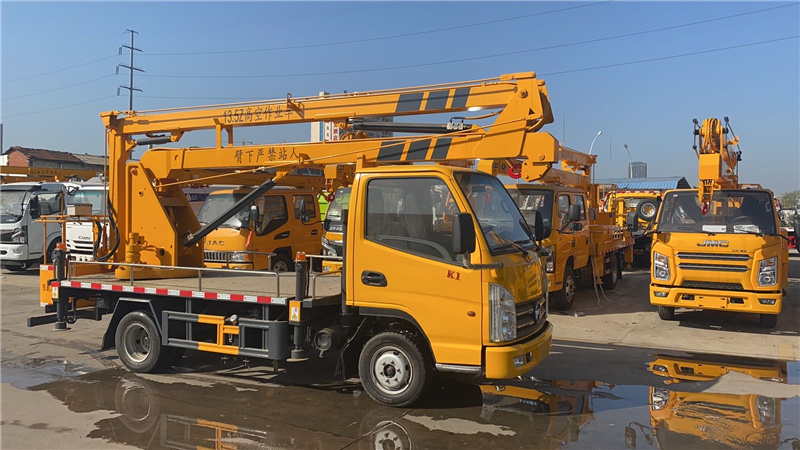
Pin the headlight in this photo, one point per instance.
(658, 399)
(550, 262)
(502, 314)
(660, 267)
(766, 409)
(20, 235)
(767, 272)
(240, 257)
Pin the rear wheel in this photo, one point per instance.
(666, 313)
(610, 279)
(393, 369)
(768, 320)
(280, 263)
(138, 343)
(564, 298)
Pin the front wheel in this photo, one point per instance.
(281, 263)
(666, 313)
(138, 343)
(393, 369)
(768, 320)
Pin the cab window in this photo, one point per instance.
(272, 210)
(578, 199)
(563, 210)
(413, 215)
(311, 211)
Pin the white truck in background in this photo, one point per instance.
(23, 243)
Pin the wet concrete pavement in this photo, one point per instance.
(600, 391)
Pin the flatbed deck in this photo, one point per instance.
(216, 284)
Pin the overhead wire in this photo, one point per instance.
(60, 70)
(58, 107)
(380, 38)
(475, 58)
(60, 88)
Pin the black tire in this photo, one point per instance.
(138, 343)
(564, 298)
(647, 210)
(51, 252)
(611, 278)
(768, 320)
(666, 312)
(281, 263)
(393, 370)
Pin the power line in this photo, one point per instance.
(381, 38)
(60, 70)
(59, 88)
(662, 58)
(58, 107)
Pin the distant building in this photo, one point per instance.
(51, 159)
(652, 183)
(328, 131)
(637, 169)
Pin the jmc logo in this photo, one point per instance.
(708, 243)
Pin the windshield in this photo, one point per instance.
(531, 200)
(333, 218)
(11, 204)
(739, 211)
(502, 225)
(95, 198)
(216, 204)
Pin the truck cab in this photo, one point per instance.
(332, 226)
(22, 239)
(281, 227)
(729, 257)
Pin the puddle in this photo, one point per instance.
(694, 401)
(23, 373)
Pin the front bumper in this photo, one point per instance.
(720, 300)
(14, 253)
(500, 360)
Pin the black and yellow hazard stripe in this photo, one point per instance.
(436, 100)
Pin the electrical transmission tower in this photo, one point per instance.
(130, 67)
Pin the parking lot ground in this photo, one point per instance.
(617, 377)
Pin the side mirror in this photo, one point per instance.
(574, 213)
(463, 234)
(632, 222)
(254, 216)
(34, 207)
(538, 226)
(576, 226)
(303, 215)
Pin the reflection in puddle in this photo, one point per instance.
(678, 412)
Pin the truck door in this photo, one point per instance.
(308, 235)
(273, 233)
(565, 247)
(43, 204)
(403, 263)
(582, 246)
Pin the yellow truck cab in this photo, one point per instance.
(732, 258)
(576, 246)
(282, 228)
(332, 229)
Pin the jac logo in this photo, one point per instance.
(452, 274)
(219, 242)
(708, 243)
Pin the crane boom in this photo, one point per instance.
(718, 160)
(152, 215)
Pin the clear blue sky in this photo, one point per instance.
(638, 71)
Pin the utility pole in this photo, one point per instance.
(130, 67)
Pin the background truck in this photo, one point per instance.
(477, 264)
(644, 203)
(288, 221)
(718, 247)
(23, 242)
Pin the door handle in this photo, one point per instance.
(314, 232)
(373, 278)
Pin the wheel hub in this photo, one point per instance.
(392, 370)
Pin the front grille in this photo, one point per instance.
(530, 316)
(714, 256)
(217, 256)
(713, 285)
(5, 236)
(713, 267)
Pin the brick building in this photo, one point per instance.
(39, 157)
